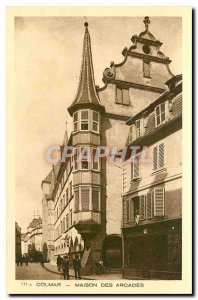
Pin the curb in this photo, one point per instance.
(59, 273)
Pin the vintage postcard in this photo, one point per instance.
(99, 108)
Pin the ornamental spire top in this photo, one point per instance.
(146, 22)
(86, 93)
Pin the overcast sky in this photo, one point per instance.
(48, 59)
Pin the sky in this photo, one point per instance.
(48, 52)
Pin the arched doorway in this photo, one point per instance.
(112, 251)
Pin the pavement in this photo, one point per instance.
(53, 269)
(34, 271)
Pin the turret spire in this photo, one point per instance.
(86, 93)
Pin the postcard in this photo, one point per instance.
(99, 114)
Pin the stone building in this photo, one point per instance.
(17, 242)
(34, 239)
(152, 214)
(85, 197)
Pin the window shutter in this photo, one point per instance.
(161, 156)
(155, 158)
(142, 207)
(131, 210)
(148, 206)
(159, 202)
(136, 168)
(95, 199)
(130, 134)
(76, 199)
(127, 211)
(85, 198)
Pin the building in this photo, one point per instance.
(24, 245)
(86, 196)
(17, 242)
(152, 212)
(34, 239)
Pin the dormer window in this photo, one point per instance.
(122, 96)
(160, 115)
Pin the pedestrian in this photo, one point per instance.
(59, 263)
(26, 260)
(42, 261)
(65, 267)
(77, 266)
(21, 260)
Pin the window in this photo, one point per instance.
(95, 198)
(158, 157)
(76, 193)
(75, 159)
(122, 96)
(84, 120)
(146, 69)
(135, 168)
(85, 192)
(159, 195)
(95, 125)
(75, 121)
(160, 114)
(67, 221)
(70, 187)
(95, 160)
(131, 133)
(138, 129)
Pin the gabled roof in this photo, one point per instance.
(35, 222)
(86, 93)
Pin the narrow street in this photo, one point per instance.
(35, 271)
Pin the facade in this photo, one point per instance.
(152, 212)
(17, 241)
(82, 199)
(34, 239)
(24, 244)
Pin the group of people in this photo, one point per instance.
(22, 259)
(63, 263)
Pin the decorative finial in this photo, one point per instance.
(85, 24)
(146, 22)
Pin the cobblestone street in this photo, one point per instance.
(35, 271)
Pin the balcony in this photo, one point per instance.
(87, 223)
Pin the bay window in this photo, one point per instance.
(86, 120)
(87, 198)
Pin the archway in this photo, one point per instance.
(112, 251)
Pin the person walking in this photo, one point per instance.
(21, 260)
(77, 266)
(59, 263)
(65, 267)
(26, 260)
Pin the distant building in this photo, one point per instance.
(24, 245)
(17, 241)
(34, 238)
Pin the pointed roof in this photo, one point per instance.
(86, 93)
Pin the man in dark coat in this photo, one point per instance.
(77, 266)
(65, 267)
(59, 263)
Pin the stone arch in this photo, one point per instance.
(112, 251)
